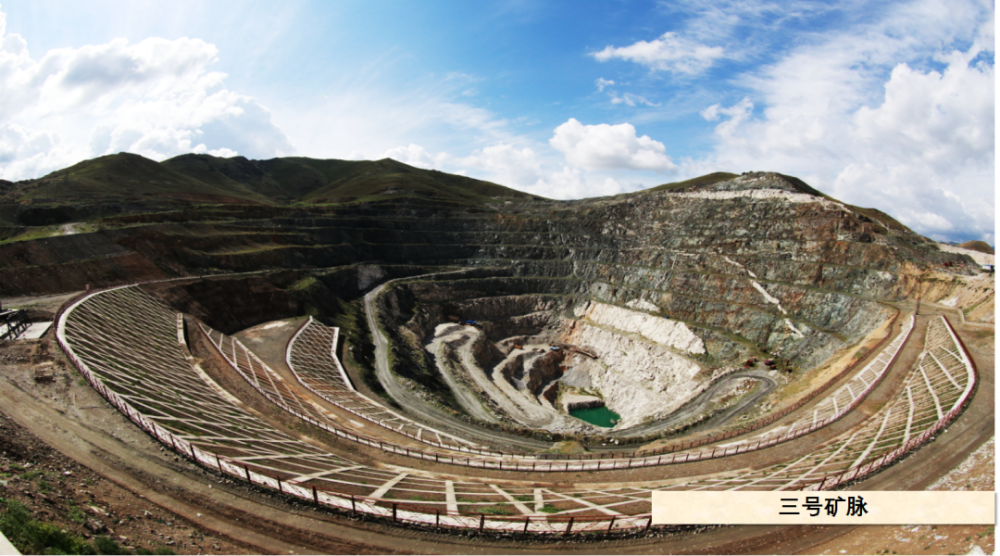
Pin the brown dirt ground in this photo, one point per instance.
(59, 490)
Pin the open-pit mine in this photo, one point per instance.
(315, 356)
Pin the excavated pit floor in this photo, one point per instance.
(638, 373)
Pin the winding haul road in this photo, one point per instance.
(407, 399)
(698, 403)
(418, 407)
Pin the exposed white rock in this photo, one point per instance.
(981, 258)
(788, 323)
(752, 194)
(658, 329)
(636, 378)
(642, 304)
(579, 401)
(768, 297)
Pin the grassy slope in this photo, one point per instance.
(205, 178)
(127, 176)
(977, 245)
(235, 174)
(364, 179)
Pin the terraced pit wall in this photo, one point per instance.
(753, 266)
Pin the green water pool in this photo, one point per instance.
(600, 416)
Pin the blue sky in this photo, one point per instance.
(884, 104)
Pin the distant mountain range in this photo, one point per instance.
(128, 183)
(209, 179)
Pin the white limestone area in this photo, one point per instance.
(980, 258)
(658, 329)
(636, 377)
(642, 366)
(756, 194)
(643, 370)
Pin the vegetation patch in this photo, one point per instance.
(31, 536)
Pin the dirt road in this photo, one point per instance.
(697, 405)
(416, 406)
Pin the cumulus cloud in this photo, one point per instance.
(609, 147)
(738, 113)
(415, 155)
(156, 98)
(519, 167)
(506, 164)
(898, 114)
(669, 53)
(573, 183)
(602, 83)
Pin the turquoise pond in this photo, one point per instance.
(600, 416)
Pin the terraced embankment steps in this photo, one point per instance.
(127, 344)
(305, 362)
(611, 250)
(311, 357)
(933, 394)
(862, 383)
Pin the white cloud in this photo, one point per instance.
(738, 113)
(506, 164)
(156, 98)
(572, 183)
(753, 23)
(631, 100)
(521, 168)
(26, 152)
(668, 53)
(602, 83)
(607, 147)
(862, 115)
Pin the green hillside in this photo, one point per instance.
(977, 245)
(238, 180)
(388, 178)
(130, 176)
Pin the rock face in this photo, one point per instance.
(212, 302)
(637, 378)
(576, 401)
(657, 329)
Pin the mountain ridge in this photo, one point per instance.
(237, 180)
(126, 183)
